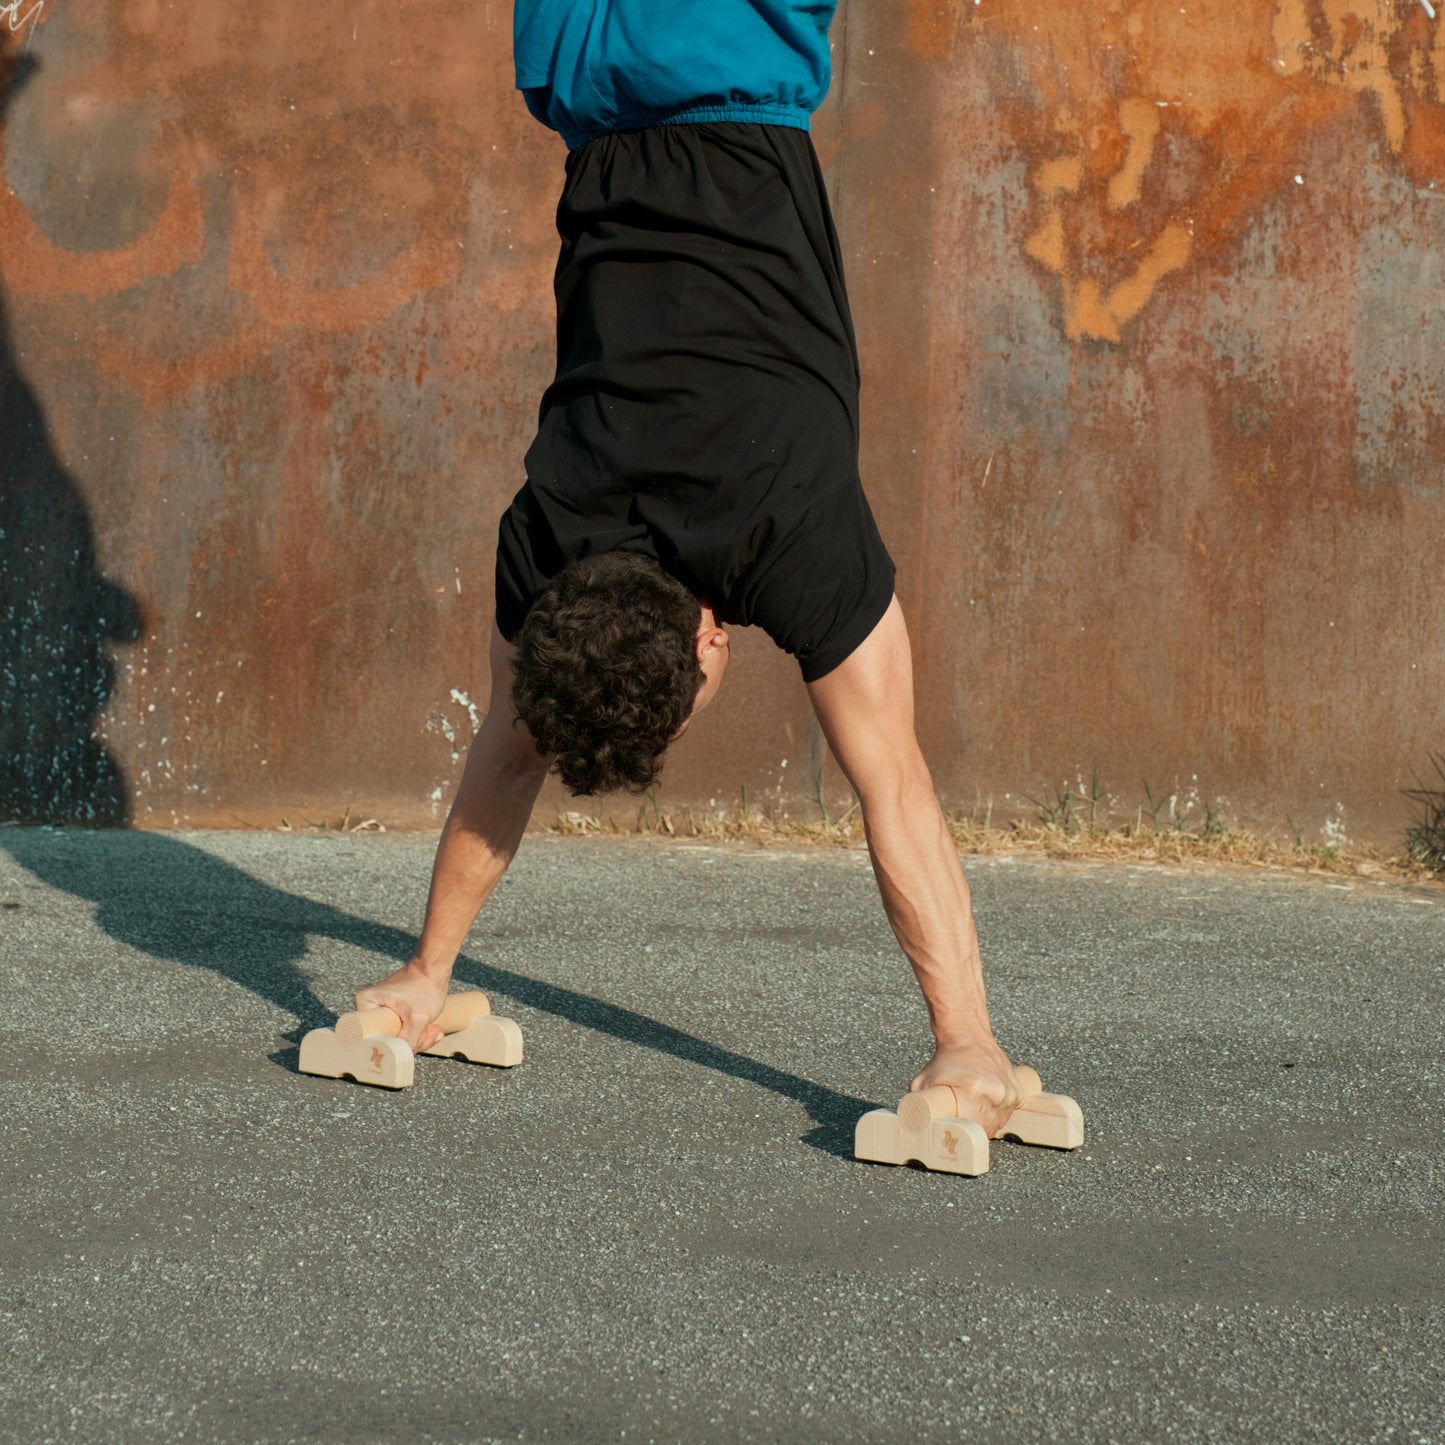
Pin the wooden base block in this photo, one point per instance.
(487, 1040)
(878, 1138)
(387, 1063)
(948, 1146)
(923, 1131)
(1053, 1121)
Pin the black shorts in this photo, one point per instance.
(705, 407)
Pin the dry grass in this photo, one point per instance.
(1425, 840)
(1068, 827)
(1138, 841)
(295, 822)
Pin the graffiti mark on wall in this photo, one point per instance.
(35, 263)
(1217, 109)
(1361, 46)
(1095, 307)
(278, 200)
(10, 14)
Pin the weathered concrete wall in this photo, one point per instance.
(1150, 304)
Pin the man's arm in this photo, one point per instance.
(865, 706)
(503, 776)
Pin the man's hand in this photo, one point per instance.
(988, 1086)
(415, 998)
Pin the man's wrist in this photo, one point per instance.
(959, 1039)
(435, 968)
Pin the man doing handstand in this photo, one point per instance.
(696, 467)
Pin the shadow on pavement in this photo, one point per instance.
(181, 904)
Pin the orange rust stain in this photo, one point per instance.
(1424, 142)
(863, 120)
(929, 32)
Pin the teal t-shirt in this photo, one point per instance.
(588, 67)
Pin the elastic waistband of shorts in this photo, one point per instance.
(790, 116)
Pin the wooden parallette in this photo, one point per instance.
(364, 1044)
(927, 1128)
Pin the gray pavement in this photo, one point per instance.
(653, 1230)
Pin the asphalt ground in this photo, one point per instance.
(653, 1229)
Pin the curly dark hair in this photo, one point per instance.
(606, 670)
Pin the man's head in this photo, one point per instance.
(611, 663)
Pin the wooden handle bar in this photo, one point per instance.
(460, 1011)
(916, 1111)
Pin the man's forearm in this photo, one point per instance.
(482, 833)
(865, 706)
(926, 898)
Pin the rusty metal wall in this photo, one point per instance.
(1150, 301)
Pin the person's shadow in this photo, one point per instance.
(57, 613)
(180, 903)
